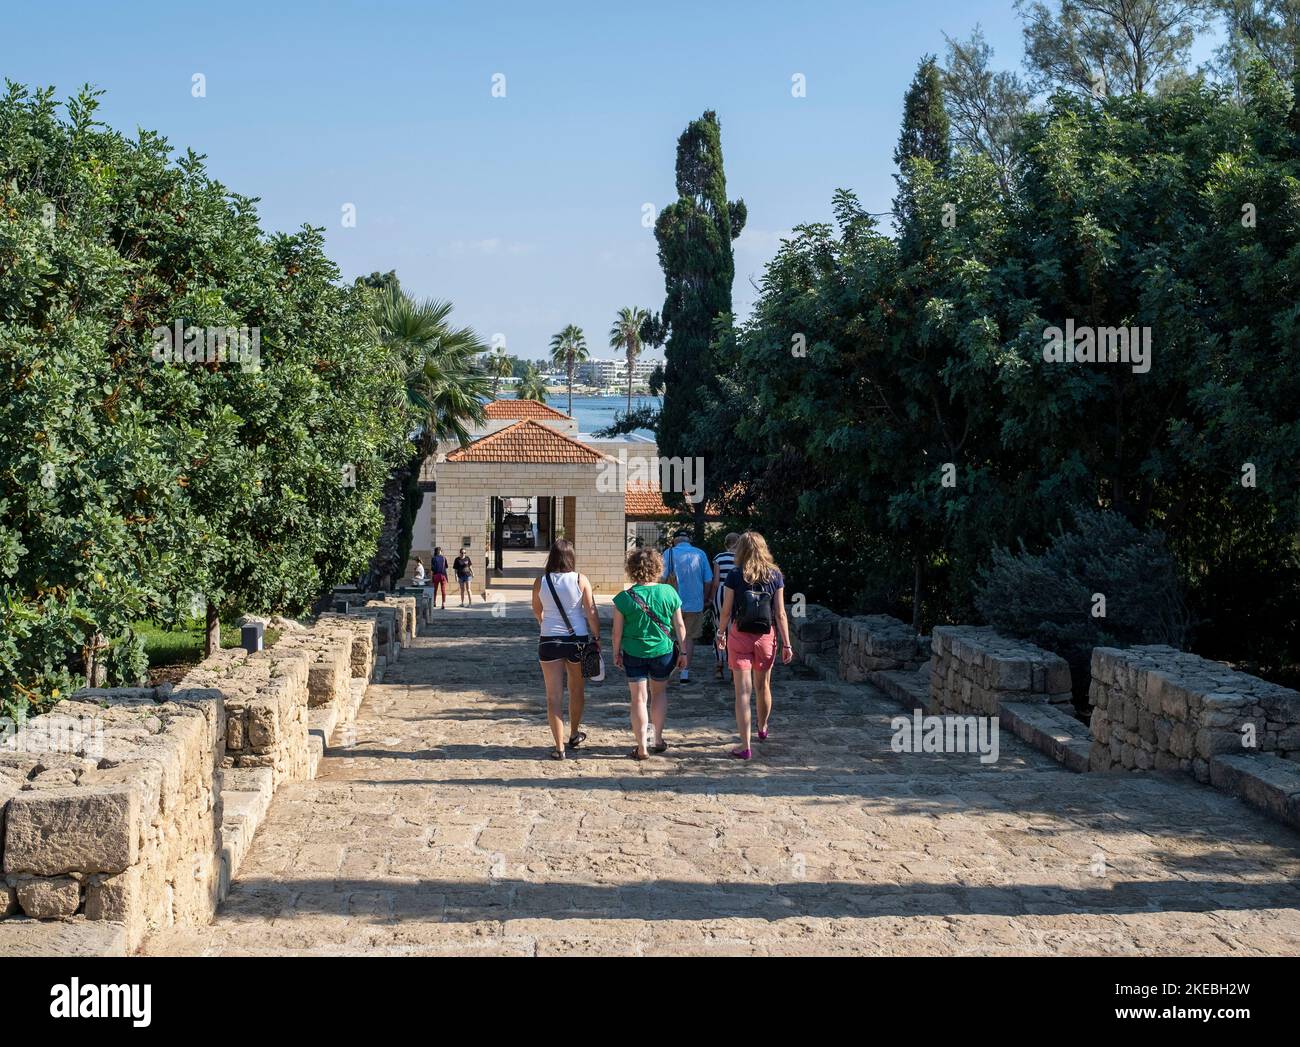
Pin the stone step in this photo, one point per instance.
(908, 687)
(246, 794)
(21, 936)
(1263, 780)
(1050, 730)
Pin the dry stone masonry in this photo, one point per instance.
(975, 670)
(125, 824)
(1161, 708)
(130, 809)
(815, 636)
(876, 642)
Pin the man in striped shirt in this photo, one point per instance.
(722, 565)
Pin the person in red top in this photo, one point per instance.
(439, 579)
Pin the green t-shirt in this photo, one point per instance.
(641, 637)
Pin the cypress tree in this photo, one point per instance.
(694, 236)
(924, 134)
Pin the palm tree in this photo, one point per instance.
(532, 386)
(443, 388)
(568, 349)
(626, 335)
(499, 366)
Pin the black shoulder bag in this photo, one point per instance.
(655, 618)
(588, 653)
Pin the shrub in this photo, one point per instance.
(1050, 598)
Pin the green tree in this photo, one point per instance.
(925, 131)
(498, 365)
(532, 386)
(984, 107)
(443, 391)
(694, 235)
(135, 479)
(380, 281)
(1108, 47)
(568, 349)
(625, 334)
(924, 361)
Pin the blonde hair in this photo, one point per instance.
(754, 558)
(644, 566)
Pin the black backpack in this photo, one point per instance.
(753, 611)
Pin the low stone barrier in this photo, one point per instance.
(1158, 707)
(876, 642)
(265, 699)
(111, 810)
(328, 651)
(976, 670)
(124, 811)
(387, 628)
(365, 640)
(1264, 780)
(815, 636)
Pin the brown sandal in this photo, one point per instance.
(637, 755)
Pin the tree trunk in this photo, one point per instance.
(96, 673)
(211, 629)
(384, 566)
(916, 595)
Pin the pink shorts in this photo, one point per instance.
(751, 650)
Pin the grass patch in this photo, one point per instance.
(184, 646)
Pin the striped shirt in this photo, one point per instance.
(722, 565)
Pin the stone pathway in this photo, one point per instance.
(441, 828)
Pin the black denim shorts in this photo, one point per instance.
(560, 648)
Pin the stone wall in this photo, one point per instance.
(1158, 707)
(130, 808)
(264, 697)
(815, 637)
(875, 643)
(116, 816)
(975, 670)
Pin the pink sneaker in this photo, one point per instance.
(742, 754)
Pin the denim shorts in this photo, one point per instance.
(659, 668)
(560, 648)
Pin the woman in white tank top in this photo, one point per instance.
(568, 588)
(561, 591)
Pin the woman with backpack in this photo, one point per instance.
(563, 603)
(649, 642)
(753, 614)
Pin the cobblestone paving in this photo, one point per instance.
(443, 829)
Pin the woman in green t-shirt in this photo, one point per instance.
(649, 637)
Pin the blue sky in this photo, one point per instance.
(525, 211)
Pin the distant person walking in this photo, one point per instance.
(565, 610)
(688, 568)
(439, 576)
(648, 632)
(464, 568)
(753, 615)
(723, 562)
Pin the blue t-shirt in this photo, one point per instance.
(440, 564)
(691, 565)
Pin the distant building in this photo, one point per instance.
(614, 372)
